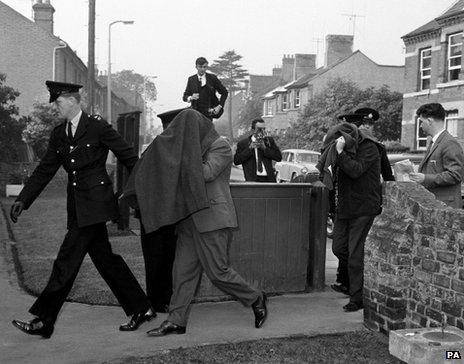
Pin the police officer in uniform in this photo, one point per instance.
(81, 145)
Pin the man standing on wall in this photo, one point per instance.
(256, 153)
(442, 169)
(81, 145)
(201, 91)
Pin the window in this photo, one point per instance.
(296, 100)
(451, 122)
(454, 56)
(284, 156)
(284, 101)
(421, 137)
(425, 68)
(267, 106)
(290, 157)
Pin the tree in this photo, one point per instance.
(343, 97)
(132, 81)
(39, 125)
(230, 72)
(11, 126)
(252, 109)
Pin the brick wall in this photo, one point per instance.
(414, 262)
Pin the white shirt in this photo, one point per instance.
(202, 79)
(74, 123)
(263, 172)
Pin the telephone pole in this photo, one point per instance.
(91, 58)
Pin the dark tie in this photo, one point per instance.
(70, 135)
(260, 161)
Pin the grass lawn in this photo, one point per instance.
(355, 347)
(39, 233)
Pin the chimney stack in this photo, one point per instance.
(43, 14)
(288, 65)
(304, 64)
(338, 46)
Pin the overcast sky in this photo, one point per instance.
(168, 35)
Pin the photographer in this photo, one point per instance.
(256, 153)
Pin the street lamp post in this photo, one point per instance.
(109, 66)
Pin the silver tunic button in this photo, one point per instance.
(88, 145)
(74, 172)
(72, 160)
(102, 182)
(74, 183)
(71, 148)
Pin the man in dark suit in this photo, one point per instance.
(256, 153)
(201, 91)
(442, 169)
(80, 145)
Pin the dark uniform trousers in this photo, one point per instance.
(158, 250)
(78, 242)
(348, 246)
(196, 252)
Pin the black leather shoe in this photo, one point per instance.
(260, 310)
(167, 328)
(34, 327)
(137, 320)
(340, 288)
(353, 306)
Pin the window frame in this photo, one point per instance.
(284, 101)
(449, 57)
(296, 99)
(423, 69)
(420, 138)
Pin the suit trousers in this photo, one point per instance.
(196, 252)
(77, 243)
(158, 249)
(348, 246)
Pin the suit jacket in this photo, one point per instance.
(213, 86)
(359, 187)
(246, 157)
(216, 171)
(90, 196)
(443, 166)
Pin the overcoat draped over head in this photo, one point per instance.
(167, 183)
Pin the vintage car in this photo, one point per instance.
(296, 162)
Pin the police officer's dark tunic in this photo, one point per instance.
(90, 204)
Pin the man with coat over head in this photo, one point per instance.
(80, 145)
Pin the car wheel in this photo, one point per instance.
(330, 227)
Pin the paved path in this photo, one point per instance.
(89, 334)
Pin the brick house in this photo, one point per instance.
(30, 54)
(283, 104)
(433, 73)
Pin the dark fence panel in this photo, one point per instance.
(128, 127)
(281, 240)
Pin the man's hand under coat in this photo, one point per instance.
(16, 210)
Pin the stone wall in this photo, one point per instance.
(414, 262)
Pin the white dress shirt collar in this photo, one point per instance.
(435, 137)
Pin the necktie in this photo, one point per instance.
(260, 161)
(70, 134)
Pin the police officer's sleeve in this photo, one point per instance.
(42, 174)
(115, 142)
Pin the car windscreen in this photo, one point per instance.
(307, 158)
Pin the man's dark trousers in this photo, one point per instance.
(348, 247)
(78, 242)
(159, 248)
